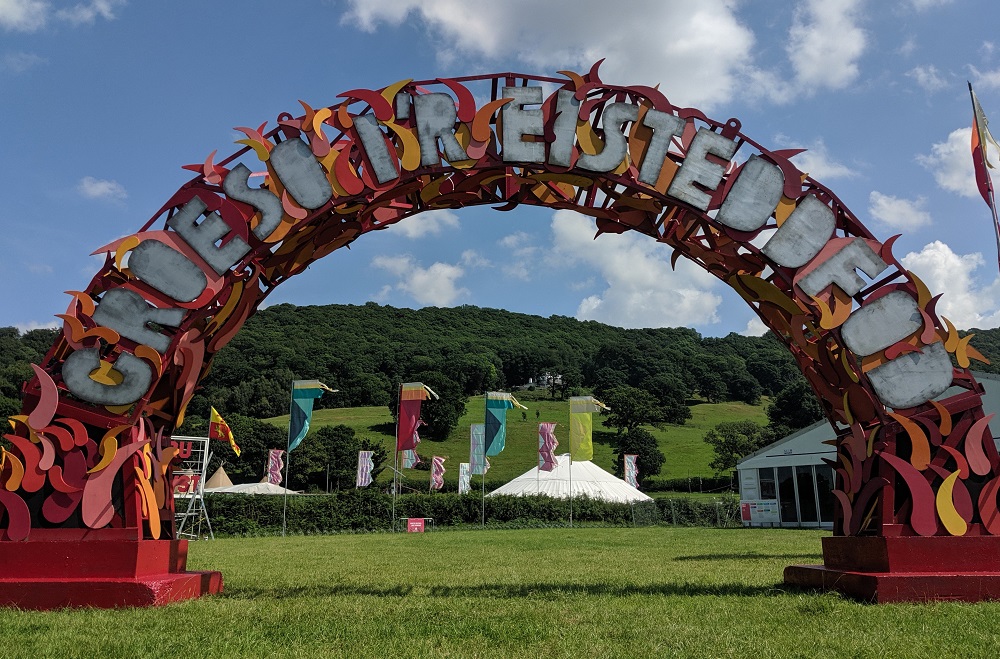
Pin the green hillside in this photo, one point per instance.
(686, 453)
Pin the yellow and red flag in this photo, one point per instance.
(981, 141)
(219, 429)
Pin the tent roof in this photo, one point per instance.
(219, 479)
(588, 480)
(250, 488)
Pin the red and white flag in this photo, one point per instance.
(437, 472)
(365, 466)
(632, 470)
(274, 465)
(547, 444)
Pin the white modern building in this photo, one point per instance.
(788, 484)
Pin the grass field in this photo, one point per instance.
(686, 452)
(591, 592)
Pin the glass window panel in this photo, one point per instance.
(765, 478)
(807, 493)
(786, 495)
(824, 485)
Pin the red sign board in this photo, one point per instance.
(415, 525)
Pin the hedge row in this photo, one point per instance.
(368, 511)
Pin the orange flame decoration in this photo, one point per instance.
(61, 445)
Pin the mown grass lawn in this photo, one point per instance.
(586, 592)
(687, 455)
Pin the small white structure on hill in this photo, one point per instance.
(587, 480)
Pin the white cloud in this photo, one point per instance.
(908, 47)
(32, 15)
(19, 62)
(642, 290)
(86, 13)
(34, 324)
(755, 327)
(473, 259)
(697, 50)
(428, 223)
(95, 188)
(985, 79)
(816, 159)
(523, 259)
(965, 301)
(436, 285)
(951, 163)
(825, 43)
(928, 77)
(23, 15)
(898, 213)
(921, 5)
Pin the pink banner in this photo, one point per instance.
(274, 466)
(437, 472)
(547, 444)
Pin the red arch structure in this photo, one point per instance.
(84, 488)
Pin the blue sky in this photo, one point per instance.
(102, 102)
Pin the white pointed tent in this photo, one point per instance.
(588, 480)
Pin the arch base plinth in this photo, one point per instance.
(905, 569)
(105, 574)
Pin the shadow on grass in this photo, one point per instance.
(749, 555)
(505, 591)
(388, 428)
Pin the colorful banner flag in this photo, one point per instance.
(219, 429)
(437, 472)
(497, 404)
(632, 470)
(304, 392)
(547, 444)
(477, 449)
(411, 394)
(464, 477)
(581, 426)
(274, 466)
(365, 466)
(981, 140)
(410, 459)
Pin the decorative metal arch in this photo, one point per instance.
(91, 449)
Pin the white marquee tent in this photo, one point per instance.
(250, 488)
(588, 480)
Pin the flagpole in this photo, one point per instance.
(395, 458)
(571, 485)
(483, 502)
(288, 460)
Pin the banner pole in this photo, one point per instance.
(288, 461)
(571, 486)
(395, 459)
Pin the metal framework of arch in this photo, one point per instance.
(86, 475)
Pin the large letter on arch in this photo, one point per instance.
(863, 329)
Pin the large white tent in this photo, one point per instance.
(587, 478)
(250, 488)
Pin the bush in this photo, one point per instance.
(367, 510)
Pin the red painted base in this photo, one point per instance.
(52, 574)
(905, 569)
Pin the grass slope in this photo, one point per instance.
(686, 452)
(651, 592)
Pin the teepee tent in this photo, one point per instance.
(219, 479)
(588, 480)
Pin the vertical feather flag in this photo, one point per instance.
(437, 472)
(365, 466)
(477, 449)
(274, 466)
(547, 444)
(304, 392)
(497, 404)
(981, 141)
(581, 426)
(410, 459)
(632, 470)
(464, 477)
(219, 429)
(411, 394)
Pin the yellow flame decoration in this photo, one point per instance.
(149, 509)
(410, 156)
(952, 521)
(16, 472)
(389, 93)
(126, 245)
